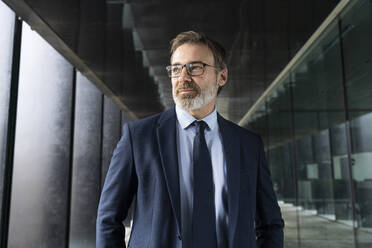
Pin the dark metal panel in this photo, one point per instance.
(111, 133)
(86, 171)
(41, 158)
(6, 44)
(9, 69)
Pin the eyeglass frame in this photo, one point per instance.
(187, 66)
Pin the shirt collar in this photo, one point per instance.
(185, 119)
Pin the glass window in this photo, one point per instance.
(341, 175)
(325, 175)
(6, 52)
(278, 146)
(357, 39)
(279, 151)
(318, 101)
(39, 199)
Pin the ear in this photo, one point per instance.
(222, 77)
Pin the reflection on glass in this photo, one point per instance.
(278, 109)
(357, 39)
(332, 144)
(341, 175)
(41, 159)
(319, 107)
(6, 45)
(280, 156)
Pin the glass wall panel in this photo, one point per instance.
(281, 167)
(334, 189)
(258, 123)
(279, 138)
(357, 39)
(86, 173)
(42, 147)
(318, 101)
(6, 52)
(280, 157)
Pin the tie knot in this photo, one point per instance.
(200, 126)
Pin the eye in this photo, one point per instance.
(196, 67)
(176, 69)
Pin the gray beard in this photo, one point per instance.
(205, 97)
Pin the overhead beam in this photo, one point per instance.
(27, 13)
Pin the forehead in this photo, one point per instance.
(188, 53)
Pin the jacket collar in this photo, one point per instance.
(185, 119)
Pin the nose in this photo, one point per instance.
(184, 76)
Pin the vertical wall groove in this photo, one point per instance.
(72, 131)
(100, 179)
(12, 116)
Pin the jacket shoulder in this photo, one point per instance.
(144, 121)
(148, 123)
(241, 131)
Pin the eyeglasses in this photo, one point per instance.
(193, 69)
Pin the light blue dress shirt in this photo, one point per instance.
(185, 138)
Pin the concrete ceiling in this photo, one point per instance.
(122, 46)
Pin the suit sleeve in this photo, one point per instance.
(269, 222)
(117, 195)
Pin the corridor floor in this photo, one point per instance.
(319, 232)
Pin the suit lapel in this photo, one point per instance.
(167, 141)
(231, 147)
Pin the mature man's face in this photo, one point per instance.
(194, 92)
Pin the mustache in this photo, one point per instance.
(188, 85)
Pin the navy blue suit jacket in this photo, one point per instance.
(145, 164)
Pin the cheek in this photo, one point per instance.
(206, 82)
(174, 83)
(200, 84)
(202, 81)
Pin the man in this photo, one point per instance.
(199, 180)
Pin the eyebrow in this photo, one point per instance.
(192, 62)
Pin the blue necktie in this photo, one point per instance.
(203, 217)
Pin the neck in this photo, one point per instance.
(203, 111)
